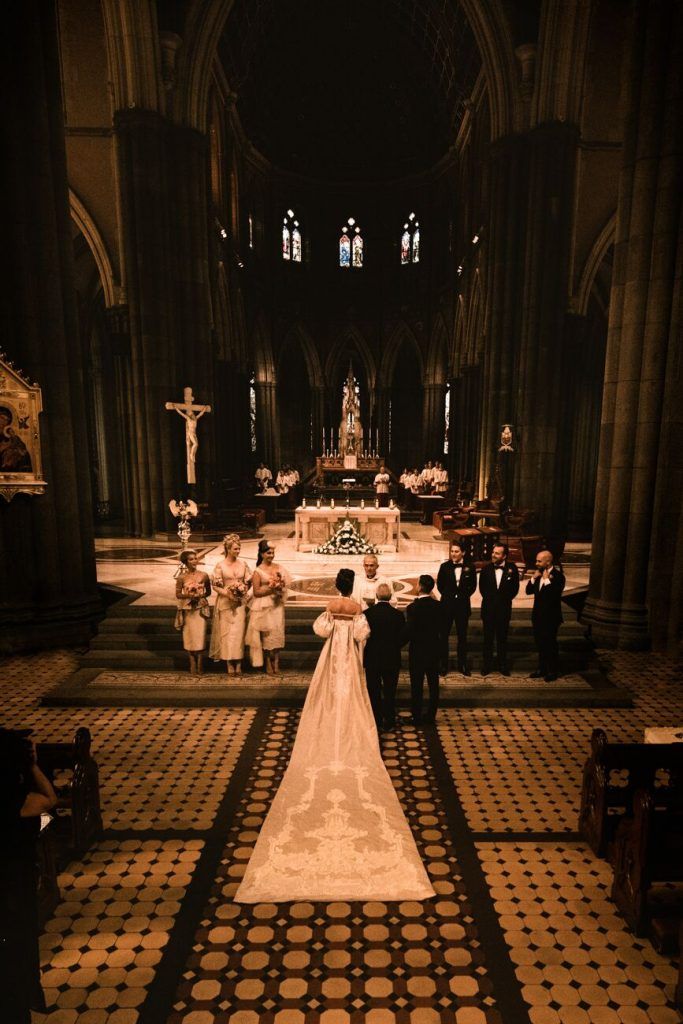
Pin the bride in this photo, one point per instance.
(336, 830)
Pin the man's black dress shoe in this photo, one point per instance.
(464, 670)
(429, 719)
(535, 675)
(505, 672)
(550, 679)
(486, 671)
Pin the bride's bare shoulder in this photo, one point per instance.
(343, 606)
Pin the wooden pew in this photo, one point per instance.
(77, 829)
(648, 848)
(607, 798)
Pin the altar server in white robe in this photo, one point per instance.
(440, 479)
(263, 477)
(381, 482)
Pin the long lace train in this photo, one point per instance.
(335, 829)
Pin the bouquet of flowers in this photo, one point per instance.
(278, 587)
(237, 592)
(195, 594)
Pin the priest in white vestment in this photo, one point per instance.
(366, 583)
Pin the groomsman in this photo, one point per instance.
(498, 586)
(457, 581)
(424, 647)
(546, 585)
(382, 657)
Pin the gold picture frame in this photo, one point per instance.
(21, 466)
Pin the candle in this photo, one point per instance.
(323, 440)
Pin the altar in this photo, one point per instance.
(314, 526)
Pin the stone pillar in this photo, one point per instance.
(50, 595)
(637, 564)
(542, 366)
(163, 180)
(267, 425)
(503, 257)
(433, 421)
(583, 400)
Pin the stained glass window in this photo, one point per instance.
(296, 244)
(446, 418)
(351, 245)
(292, 245)
(357, 247)
(416, 244)
(252, 411)
(405, 245)
(410, 241)
(344, 250)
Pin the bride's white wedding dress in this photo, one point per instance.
(335, 830)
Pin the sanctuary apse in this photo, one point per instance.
(509, 208)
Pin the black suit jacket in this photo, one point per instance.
(547, 610)
(424, 630)
(387, 637)
(457, 594)
(497, 601)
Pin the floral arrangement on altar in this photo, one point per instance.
(347, 541)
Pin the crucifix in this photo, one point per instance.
(190, 413)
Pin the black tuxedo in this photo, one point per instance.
(425, 623)
(455, 607)
(382, 659)
(546, 617)
(496, 610)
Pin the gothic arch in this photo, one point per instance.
(475, 318)
(457, 355)
(563, 38)
(134, 52)
(91, 233)
(401, 334)
(206, 20)
(597, 254)
(354, 339)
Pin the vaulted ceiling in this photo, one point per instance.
(359, 90)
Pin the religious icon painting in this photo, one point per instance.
(21, 470)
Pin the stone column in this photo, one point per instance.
(163, 180)
(267, 425)
(503, 258)
(542, 367)
(50, 595)
(433, 421)
(637, 559)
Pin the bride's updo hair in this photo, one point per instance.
(344, 581)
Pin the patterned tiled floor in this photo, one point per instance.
(522, 929)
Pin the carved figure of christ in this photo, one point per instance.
(190, 413)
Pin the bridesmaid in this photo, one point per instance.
(231, 581)
(266, 633)
(192, 589)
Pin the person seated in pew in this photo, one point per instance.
(26, 795)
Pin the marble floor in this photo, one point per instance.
(522, 930)
(147, 567)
